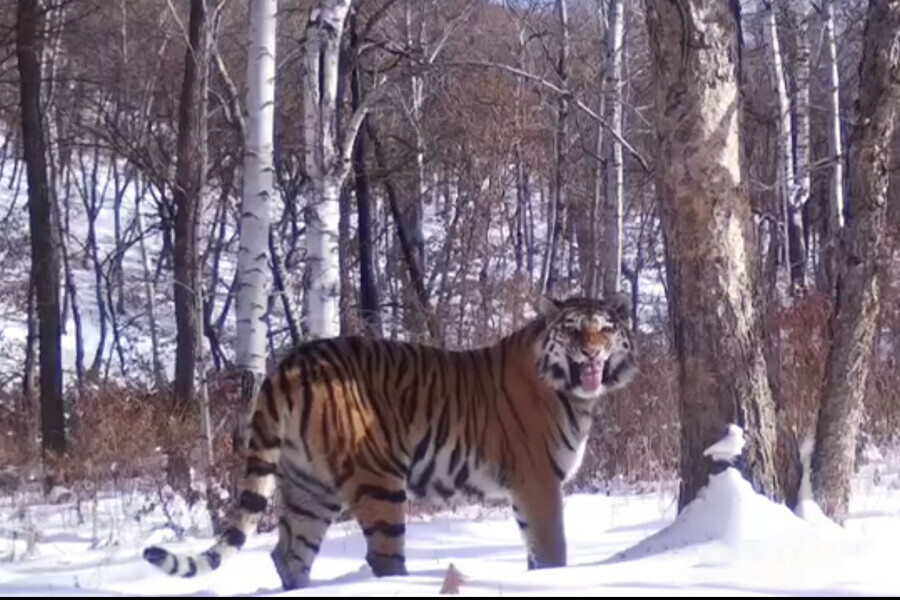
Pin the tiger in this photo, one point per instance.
(356, 423)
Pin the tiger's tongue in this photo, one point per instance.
(592, 377)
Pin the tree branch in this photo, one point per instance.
(353, 125)
(561, 91)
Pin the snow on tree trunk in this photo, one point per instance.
(611, 254)
(254, 271)
(325, 164)
(862, 251)
(708, 229)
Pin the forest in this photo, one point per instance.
(190, 188)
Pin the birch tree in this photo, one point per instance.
(558, 203)
(786, 176)
(835, 148)
(802, 183)
(863, 249)
(254, 272)
(328, 159)
(708, 230)
(611, 254)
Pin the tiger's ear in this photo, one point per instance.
(547, 307)
(620, 305)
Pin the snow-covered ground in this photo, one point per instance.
(730, 541)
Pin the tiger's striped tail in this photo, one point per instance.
(257, 487)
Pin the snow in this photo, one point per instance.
(730, 540)
(729, 447)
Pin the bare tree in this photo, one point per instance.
(328, 160)
(44, 237)
(159, 375)
(835, 149)
(862, 252)
(706, 215)
(803, 181)
(254, 272)
(189, 178)
(369, 309)
(559, 202)
(786, 174)
(613, 235)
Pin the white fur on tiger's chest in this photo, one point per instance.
(575, 458)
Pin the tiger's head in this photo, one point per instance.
(588, 348)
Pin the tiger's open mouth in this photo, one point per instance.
(588, 374)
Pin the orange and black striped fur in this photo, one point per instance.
(357, 423)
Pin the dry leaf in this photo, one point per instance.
(452, 580)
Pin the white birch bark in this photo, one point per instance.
(327, 162)
(802, 184)
(785, 133)
(254, 271)
(611, 255)
(835, 145)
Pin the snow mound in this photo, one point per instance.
(729, 513)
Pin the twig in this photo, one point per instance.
(561, 91)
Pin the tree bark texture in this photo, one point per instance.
(189, 175)
(613, 217)
(862, 250)
(254, 271)
(708, 228)
(325, 164)
(370, 304)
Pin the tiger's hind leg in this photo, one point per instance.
(304, 522)
(379, 507)
(538, 510)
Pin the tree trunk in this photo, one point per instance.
(802, 182)
(611, 249)
(370, 304)
(708, 229)
(189, 176)
(785, 137)
(415, 38)
(254, 273)
(863, 249)
(159, 375)
(44, 247)
(324, 164)
(835, 152)
(555, 226)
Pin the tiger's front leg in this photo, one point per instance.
(538, 508)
